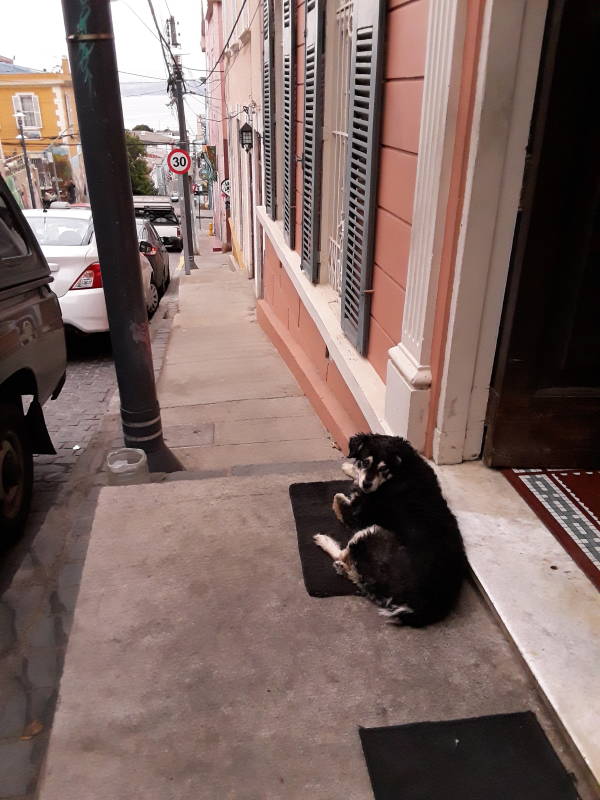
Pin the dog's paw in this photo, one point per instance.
(339, 567)
(339, 500)
(349, 469)
(320, 539)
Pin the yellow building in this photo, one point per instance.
(46, 103)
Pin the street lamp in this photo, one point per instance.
(20, 116)
(246, 137)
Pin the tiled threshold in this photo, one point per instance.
(548, 606)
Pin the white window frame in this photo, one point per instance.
(18, 107)
(335, 138)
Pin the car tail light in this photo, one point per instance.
(179, 232)
(153, 251)
(90, 278)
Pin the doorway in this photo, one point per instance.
(544, 406)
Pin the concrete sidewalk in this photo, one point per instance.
(198, 666)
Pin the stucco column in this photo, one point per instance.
(408, 371)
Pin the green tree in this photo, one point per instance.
(143, 128)
(139, 171)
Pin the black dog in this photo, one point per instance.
(407, 553)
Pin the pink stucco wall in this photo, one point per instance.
(402, 95)
(289, 325)
(216, 128)
(281, 311)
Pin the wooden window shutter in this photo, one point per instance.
(269, 108)
(366, 79)
(289, 121)
(313, 136)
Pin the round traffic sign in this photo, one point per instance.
(179, 161)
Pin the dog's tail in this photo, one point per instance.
(413, 618)
(399, 615)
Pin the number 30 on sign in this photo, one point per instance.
(179, 161)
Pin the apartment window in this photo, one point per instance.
(338, 49)
(29, 105)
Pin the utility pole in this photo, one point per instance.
(19, 115)
(187, 220)
(172, 32)
(94, 71)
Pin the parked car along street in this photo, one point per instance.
(67, 240)
(160, 212)
(32, 362)
(151, 245)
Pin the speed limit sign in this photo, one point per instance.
(179, 161)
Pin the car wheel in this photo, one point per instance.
(16, 473)
(179, 248)
(154, 298)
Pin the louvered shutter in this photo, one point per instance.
(289, 121)
(366, 78)
(269, 108)
(313, 136)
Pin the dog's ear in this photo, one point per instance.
(356, 444)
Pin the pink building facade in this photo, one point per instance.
(380, 293)
(429, 224)
(419, 215)
(216, 128)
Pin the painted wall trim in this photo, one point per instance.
(59, 104)
(409, 364)
(361, 378)
(501, 120)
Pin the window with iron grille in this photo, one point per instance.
(289, 121)
(313, 137)
(268, 87)
(338, 45)
(29, 105)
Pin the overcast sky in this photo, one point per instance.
(32, 32)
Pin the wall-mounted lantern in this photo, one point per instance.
(246, 137)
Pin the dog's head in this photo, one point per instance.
(377, 458)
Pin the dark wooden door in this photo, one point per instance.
(544, 408)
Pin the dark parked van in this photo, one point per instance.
(32, 362)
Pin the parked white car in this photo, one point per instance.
(67, 239)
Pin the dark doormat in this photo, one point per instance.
(311, 504)
(502, 757)
(568, 503)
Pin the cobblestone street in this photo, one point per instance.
(73, 418)
(39, 577)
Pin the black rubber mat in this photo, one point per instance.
(311, 504)
(503, 757)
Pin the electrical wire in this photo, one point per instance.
(137, 74)
(226, 71)
(203, 69)
(212, 119)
